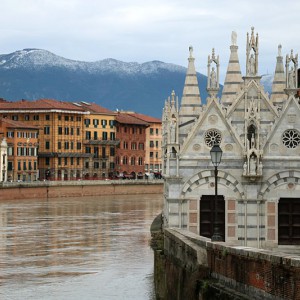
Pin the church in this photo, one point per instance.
(251, 197)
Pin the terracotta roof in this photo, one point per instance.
(40, 104)
(17, 124)
(94, 108)
(146, 118)
(125, 118)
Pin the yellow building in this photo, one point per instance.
(99, 141)
(60, 153)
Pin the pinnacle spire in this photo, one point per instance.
(278, 95)
(233, 78)
(191, 100)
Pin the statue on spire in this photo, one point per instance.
(291, 66)
(213, 74)
(252, 54)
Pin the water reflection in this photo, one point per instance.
(77, 248)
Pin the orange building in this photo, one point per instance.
(130, 156)
(60, 155)
(22, 150)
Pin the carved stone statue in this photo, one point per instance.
(259, 168)
(173, 131)
(213, 78)
(291, 83)
(251, 67)
(245, 169)
(253, 165)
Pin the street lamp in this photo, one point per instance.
(216, 155)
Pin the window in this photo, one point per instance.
(26, 118)
(35, 165)
(125, 145)
(19, 165)
(72, 130)
(156, 144)
(112, 151)
(132, 161)
(65, 161)
(112, 136)
(78, 146)
(72, 118)
(72, 161)
(66, 118)
(9, 165)
(103, 152)
(47, 130)
(60, 130)
(67, 130)
(95, 123)
(151, 144)
(104, 165)
(117, 160)
(10, 134)
(95, 135)
(87, 135)
(87, 122)
(103, 123)
(47, 161)
(66, 145)
(78, 119)
(133, 130)
(72, 145)
(156, 131)
(111, 165)
(47, 117)
(24, 165)
(140, 161)
(58, 145)
(151, 131)
(78, 131)
(59, 161)
(47, 145)
(141, 146)
(133, 146)
(125, 160)
(291, 138)
(36, 117)
(14, 117)
(96, 165)
(125, 129)
(104, 135)
(87, 149)
(212, 137)
(151, 154)
(141, 130)
(78, 161)
(111, 123)
(59, 117)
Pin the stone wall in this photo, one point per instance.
(54, 189)
(196, 268)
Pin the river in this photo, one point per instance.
(77, 248)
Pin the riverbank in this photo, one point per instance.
(57, 189)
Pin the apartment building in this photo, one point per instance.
(153, 161)
(99, 141)
(130, 156)
(60, 145)
(20, 161)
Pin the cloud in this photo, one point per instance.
(133, 30)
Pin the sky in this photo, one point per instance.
(142, 31)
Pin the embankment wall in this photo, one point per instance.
(54, 189)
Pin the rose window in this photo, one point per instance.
(212, 137)
(291, 138)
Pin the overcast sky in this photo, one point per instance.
(141, 31)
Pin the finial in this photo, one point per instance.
(233, 38)
(191, 51)
(279, 49)
(213, 53)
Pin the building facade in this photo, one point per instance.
(153, 163)
(21, 153)
(130, 156)
(258, 192)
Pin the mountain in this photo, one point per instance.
(34, 73)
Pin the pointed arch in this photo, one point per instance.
(206, 176)
(278, 179)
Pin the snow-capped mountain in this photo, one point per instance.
(35, 73)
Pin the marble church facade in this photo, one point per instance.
(259, 174)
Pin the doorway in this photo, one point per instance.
(207, 215)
